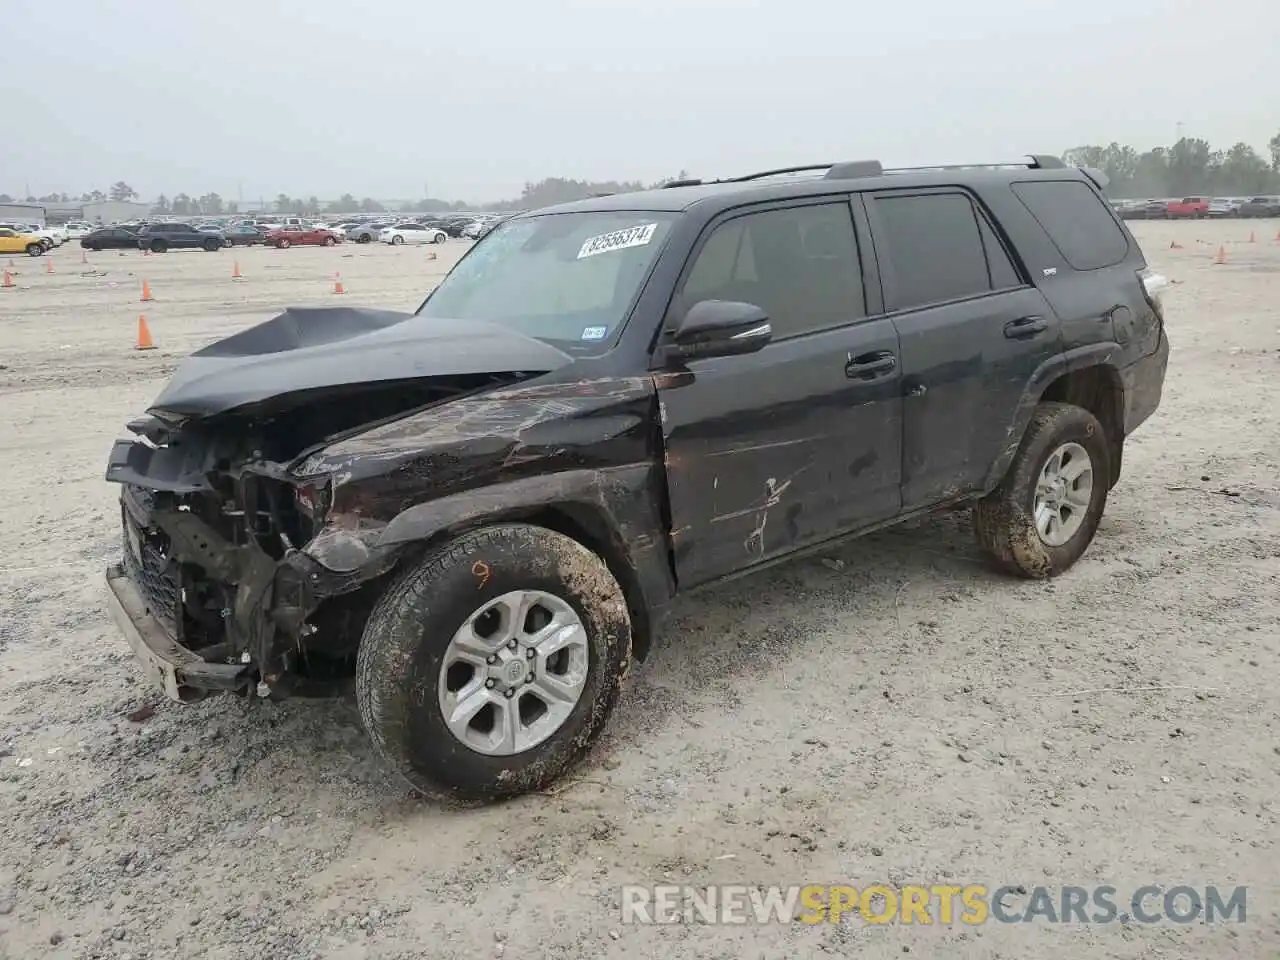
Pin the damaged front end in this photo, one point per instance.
(236, 575)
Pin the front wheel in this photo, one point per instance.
(35, 249)
(282, 244)
(491, 666)
(158, 246)
(440, 238)
(329, 241)
(212, 246)
(1043, 515)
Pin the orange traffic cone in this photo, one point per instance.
(235, 270)
(337, 284)
(1221, 255)
(48, 266)
(84, 255)
(146, 292)
(8, 283)
(144, 335)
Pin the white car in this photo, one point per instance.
(412, 233)
(337, 229)
(77, 229)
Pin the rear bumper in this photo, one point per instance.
(181, 674)
(1143, 385)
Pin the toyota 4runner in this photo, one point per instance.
(480, 509)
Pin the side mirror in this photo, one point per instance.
(719, 328)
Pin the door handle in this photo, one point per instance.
(870, 366)
(1025, 327)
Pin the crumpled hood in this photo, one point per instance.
(310, 348)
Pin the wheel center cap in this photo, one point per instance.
(513, 672)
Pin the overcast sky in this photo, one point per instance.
(385, 97)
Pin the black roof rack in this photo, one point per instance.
(855, 169)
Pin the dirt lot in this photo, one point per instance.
(891, 712)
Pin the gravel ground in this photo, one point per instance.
(890, 712)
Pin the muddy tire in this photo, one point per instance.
(1043, 515)
(450, 625)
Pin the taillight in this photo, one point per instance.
(1153, 286)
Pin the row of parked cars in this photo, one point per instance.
(161, 236)
(1198, 208)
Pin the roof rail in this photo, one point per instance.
(778, 172)
(690, 182)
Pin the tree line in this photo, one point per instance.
(1190, 167)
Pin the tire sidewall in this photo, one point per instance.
(400, 671)
(1074, 425)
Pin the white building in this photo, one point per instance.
(113, 211)
(22, 213)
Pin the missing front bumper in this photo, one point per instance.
(181, 674)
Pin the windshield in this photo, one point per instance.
(567, 278)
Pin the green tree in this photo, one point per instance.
(161, 205)
(211, 204)
(284, 203)
(183, 206)
(5, 198)
(122, 191)
(370, 205)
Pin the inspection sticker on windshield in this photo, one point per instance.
(594, 333)
(618, 240)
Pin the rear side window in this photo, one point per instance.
(1076, 220)
(935, 246)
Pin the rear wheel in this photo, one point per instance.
(1043, 515)
(329, 241)
(490, 667)
(440, 238)
(159, 246)
(397, 240)
(282, 243)
(212, 245)
(95, 247)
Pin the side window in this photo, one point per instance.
(1076, 220)
(1004, 274)
(799, 264)
(934, 246)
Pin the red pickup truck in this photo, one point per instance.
(1187, 207)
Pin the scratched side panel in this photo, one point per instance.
(488, 439)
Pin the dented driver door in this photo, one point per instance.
(784, 448)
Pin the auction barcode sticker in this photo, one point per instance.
(618, 240)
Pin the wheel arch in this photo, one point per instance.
(610, 512)
(1086, 377)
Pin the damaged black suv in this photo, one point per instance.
(479, 510)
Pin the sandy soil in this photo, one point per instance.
(901, 715)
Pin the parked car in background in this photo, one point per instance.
(47, 237)
(1145, 210)
(110, 238)
(336, 229)
(244, 235)
(13, 241)
(1189, 208)
(301, 235)
(1261, 207)
(367, 232)
(413, 233)
(160, 237)
(78, 228)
